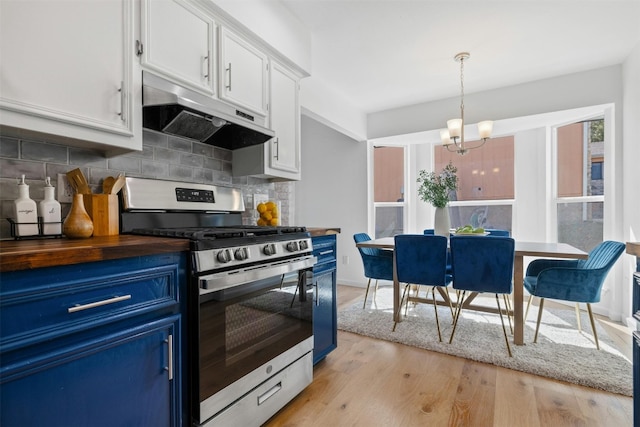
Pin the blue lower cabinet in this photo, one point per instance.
(636, 345)
(325, 323)
(114, 363)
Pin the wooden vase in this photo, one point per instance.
(78, 224)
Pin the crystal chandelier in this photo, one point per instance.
(453, 136)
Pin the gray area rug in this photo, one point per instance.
(562, 352)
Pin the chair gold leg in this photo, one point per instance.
(506, 303)
(526, 313)
(450, 304)
(535, 337)
(395, 323)
(375, 291)
(504, 330)
(578, 317)
(457, 316)
(435, 307)
(364, 304)
(593, 325)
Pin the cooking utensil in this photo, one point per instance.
(118, 184)
(78, 181)
(107, 184)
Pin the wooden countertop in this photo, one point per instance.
(633, 248)
(29, 254)
(322, 231)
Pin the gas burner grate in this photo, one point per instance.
(218, 233)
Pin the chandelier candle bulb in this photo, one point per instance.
(485, 128)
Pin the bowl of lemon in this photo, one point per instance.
(269, 214)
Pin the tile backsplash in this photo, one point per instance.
(162, 157)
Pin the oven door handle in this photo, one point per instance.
(218, 281)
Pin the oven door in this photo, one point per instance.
(250, 331)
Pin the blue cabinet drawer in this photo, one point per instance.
(33, 308)
(324, 248)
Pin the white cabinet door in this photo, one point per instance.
(178, 41)
(285, 119)
(243, 73)
(67, 70)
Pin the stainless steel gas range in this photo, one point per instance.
(250, 293)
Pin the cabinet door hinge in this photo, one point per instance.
(139, 48)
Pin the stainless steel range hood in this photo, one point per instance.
(176, 110)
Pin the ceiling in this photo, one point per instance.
(390, 53)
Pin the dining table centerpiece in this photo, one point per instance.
(436, 189)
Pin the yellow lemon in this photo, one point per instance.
(261, 222)
(274, 211)
(270, 205)
(266, 216)
(274, 221)
(261, 207)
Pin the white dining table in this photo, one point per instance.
(522, 249)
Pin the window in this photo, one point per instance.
(485, 184)
(580, 190)
(388, 189)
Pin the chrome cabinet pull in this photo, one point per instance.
(229, 70)
(326, 252)
(265, 396)
(169, 368)
(276, 143)
(81, 307)
(122, 102)
(207, 60)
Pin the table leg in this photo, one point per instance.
(518, 300)
(396, 292)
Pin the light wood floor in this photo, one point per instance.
(369, 382)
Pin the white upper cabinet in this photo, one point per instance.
(178, 41)
(243, 73)
(284, 110)
(279, 158)
(67, 70)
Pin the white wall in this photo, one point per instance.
(333, 191)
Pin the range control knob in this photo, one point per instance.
(241, 254)
(303, 245)
(224, 256)
(269, 249)
(293, 247)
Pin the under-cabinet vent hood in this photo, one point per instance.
(176, 110)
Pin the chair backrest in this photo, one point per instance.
(603, 256)
(421, 259)
(364, 237)
(482, 265)
(429, 231)
(377, 263)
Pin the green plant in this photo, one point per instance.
(435, 189)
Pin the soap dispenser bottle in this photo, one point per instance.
(49, 211)
(25, 211)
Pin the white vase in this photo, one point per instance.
(442, 224)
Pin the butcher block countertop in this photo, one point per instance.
(633, 248)
(29, 254)
(322, 231)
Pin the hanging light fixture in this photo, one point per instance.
(453, 136)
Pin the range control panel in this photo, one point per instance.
(193, 195)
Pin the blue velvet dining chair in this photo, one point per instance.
(572, 280)
(378, 264)
(421, 260)
(482, 264)
(497, 232)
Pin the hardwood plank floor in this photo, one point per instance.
(369, 382)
